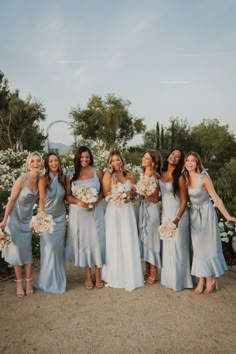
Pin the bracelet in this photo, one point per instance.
(177, 217)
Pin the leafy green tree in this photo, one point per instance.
(178, 134)
(225, 185)
(106, 122)
(149, 139)
(18, 119)
(215, 141)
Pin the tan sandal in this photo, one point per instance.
(19, 292)
(29, 292)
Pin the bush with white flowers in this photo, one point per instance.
(227, 230)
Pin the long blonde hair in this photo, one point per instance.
(30, 157)
(125, 172)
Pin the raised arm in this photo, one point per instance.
(106, 183)
(207, 184)
(42, 192)
(11, 201)
(183, 200)
(100, 177)
(69, 196)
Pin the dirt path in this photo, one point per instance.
(147, 320)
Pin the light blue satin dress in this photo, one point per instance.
(175, 272)
(208, 259)
(52, 277)
(123, 267)
(149, 221)
(85, 244)
(19, 252)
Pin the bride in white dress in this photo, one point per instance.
(123, 264)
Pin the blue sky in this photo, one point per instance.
(169, 58)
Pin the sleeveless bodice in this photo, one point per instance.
(23, 207)
(54, 204)
(89, 182)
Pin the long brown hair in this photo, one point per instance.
(156, 159)
(60, 174)
(199, 167)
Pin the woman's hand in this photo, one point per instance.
(3, 224)
(232, 219)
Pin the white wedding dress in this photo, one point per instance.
(123, 264)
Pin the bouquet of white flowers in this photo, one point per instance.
(118, 195)
(167, 230)
(42, 222)
(146, 186)
(5, 239)
(87, 195)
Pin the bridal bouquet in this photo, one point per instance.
(42, 222)
(118, 196)
(5, 239)
(146, 186)
(87, 195)
(167, 229)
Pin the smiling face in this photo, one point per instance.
(174, 157)
(35, 163)
(116, 163)
(147, 160)
(84, 159)
(53, 163)
(191, 163)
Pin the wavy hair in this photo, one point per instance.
(30, 156)
(60, 174)
(156, 159)
(77, 164)
(177, 171)
(199, 166)
(125, 172)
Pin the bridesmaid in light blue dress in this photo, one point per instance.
(52, 277)
(18, 214)
(86, 230)
(175, 273)
(149, 218)
(123, 264)
(208, 259)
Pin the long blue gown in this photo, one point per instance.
(175, 272)
(52, 277)
(149, 221)
(85, 244)
(208, 259)
(123, 264)
(19, 252)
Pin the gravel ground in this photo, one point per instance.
(148, 320)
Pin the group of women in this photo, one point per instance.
(111, 238)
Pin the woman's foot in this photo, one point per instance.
(19, 289)
(211, 285)
(200, 287)
(98, 281)
(88, 285)
(152, 278)
(29, 289)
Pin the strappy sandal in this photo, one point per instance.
(100, 285)
(19, 291)
(88, 286)
(29, 292)
(214, 286)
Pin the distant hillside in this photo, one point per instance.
(61, 148)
